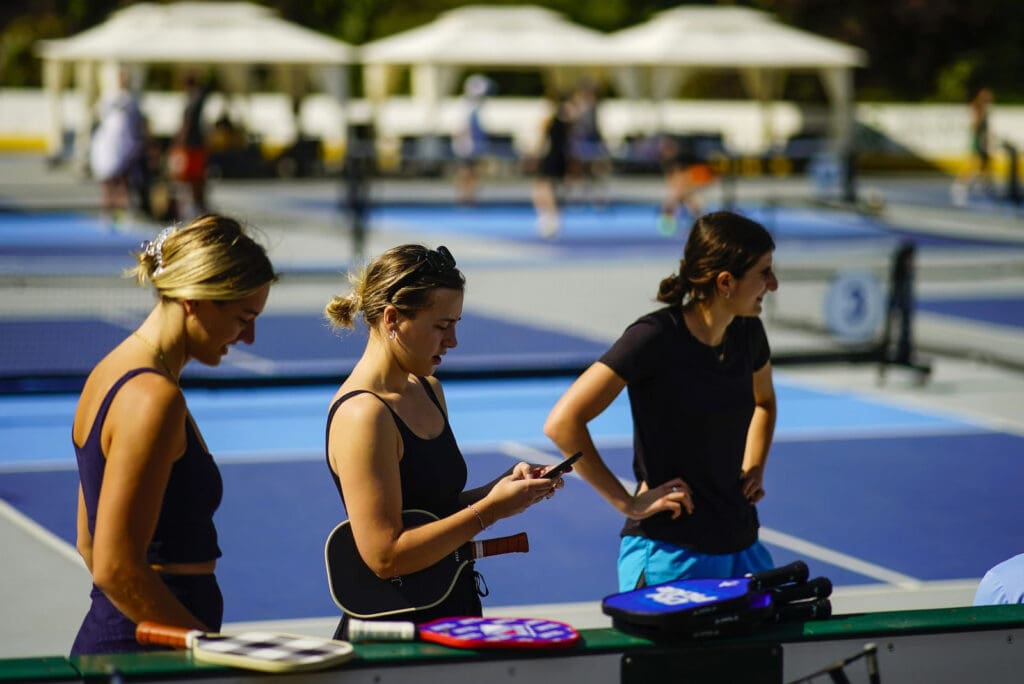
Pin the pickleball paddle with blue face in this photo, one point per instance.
(705, 608)
(692, 602)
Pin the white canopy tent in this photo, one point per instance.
(231, 37)
(480, 36)
(657, 57)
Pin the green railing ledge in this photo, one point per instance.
(901, 623)
(44, 669)
(138, 664)
(851, 626)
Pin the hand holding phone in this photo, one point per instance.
(562, 467)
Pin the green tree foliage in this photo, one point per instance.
(918, 50)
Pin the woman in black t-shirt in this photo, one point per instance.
(699, 379)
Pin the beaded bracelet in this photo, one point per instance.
(477, 514)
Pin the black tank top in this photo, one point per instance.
(185, 532)
(432, 471)
(433, 474)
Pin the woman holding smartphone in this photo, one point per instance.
(389, 444)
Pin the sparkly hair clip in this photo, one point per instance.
(155, 248)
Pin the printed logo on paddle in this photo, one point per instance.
(689, 593)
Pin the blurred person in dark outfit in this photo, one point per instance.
(189, 154)
(979, 167)
(552, 167)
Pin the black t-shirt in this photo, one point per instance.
(691, 407)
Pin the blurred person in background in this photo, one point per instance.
(470, 142)
(117, 152)
(552, 165)
(685, 177)
(589, 164)
(979, 170)
(1002, 584)
(189, 155)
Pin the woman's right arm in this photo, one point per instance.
(364, 454)
(144, 436)
(566, 426)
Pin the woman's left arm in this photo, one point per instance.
(471, 496)
(759, 434)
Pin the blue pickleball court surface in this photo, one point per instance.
(858, 478)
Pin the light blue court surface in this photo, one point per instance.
(67, 243)
(632, 226)
(67, 233)
(847, 474)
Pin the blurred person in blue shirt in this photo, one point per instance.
(1004, 583)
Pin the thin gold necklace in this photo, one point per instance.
(156, 350)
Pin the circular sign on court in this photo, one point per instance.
(854, 306)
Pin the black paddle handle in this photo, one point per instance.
(818, 609)
(797, 571)
(819, 587)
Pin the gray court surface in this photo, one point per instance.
(977, 365)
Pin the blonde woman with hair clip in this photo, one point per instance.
(389, 444)
(148, 484)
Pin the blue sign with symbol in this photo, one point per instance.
(854, 306)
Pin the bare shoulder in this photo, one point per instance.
(361, 428)
(360, 413)
(147, 416)
(152, 390)
(363, 405)
(146, 394)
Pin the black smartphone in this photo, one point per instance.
(563, 466)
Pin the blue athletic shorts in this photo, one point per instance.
(663, 562)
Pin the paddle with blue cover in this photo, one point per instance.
(700, 608)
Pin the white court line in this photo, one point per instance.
(787, 541)
(842, 560)
(41, 534)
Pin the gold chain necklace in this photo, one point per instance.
(156, 350)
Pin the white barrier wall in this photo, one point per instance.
(932, 131)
